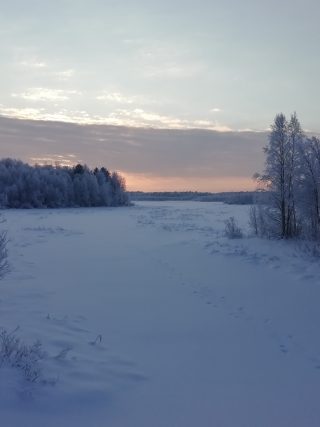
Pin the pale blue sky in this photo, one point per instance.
(223, 66)
(179, 64)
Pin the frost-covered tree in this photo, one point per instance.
(118, 187)
(309, 186)
(295, 138)
(291, 204)
(281, 175)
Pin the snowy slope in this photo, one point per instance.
(149, 316)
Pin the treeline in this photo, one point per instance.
(25, 186)
(234, 197)
(290, 183)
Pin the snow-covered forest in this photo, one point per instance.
(26, 186)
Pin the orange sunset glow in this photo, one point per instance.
(144, 182)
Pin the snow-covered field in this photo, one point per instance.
(150, 317)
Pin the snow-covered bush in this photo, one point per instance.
(232, 230)
(18, 355)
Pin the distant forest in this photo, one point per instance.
(233, 197)
(25, 186)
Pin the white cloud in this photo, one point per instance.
(136, 118)
(45, 94)
(42, 114)
(115, 97)
(207, 124)
(33, 64)
(64, 74)
(21, 113)
(215, 110)
(141, 118)
(56, 159)
(36, 64)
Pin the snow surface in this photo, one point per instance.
(150, 316)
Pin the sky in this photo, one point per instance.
(143, 75)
